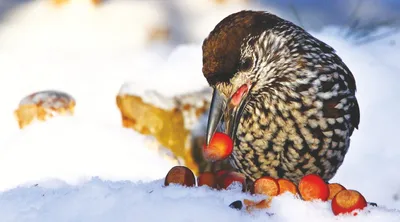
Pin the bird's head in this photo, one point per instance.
(243, 58)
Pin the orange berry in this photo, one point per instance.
(346, 201)
(334, 188)
(312, 187)
(208, 179)
(286, 185)
(266, 185)
(220, 147)
(253, 205)
(226, 179)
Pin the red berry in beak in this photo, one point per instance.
(220, 147)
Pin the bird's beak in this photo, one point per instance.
(229, 108)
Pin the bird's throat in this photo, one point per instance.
(238, 95)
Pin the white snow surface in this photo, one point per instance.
(71, 149)
(89, 168)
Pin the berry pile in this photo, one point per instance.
(221, 179)
(311, 187)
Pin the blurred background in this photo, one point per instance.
(189, 21)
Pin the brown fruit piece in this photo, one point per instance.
(180, 175)
(312, 187)
(226, 179)
(334, 188)
(266, 185)
(208, 179)
(220, 173)
(286, 185)
(346, 201)
(253, 205)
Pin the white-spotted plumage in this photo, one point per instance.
(302, 108)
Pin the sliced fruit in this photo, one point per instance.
(250, 203)
(313, 187)
(286, 185)
(180, 175)
(220, 173)
(208, 179)
(346, 201)
(225, 180)
(266, 185)
(220, 147)
(253, 205)
(334, 188)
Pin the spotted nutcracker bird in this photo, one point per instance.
(285, 98)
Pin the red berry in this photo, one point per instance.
(334, 188)
(346, 201)
(220, 173)
(266, 185)
(226, 179)
(286, 185)
(220, 147)
(312, 187)
(208, 179)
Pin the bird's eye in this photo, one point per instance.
(246, 64)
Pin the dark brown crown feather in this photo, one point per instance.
(221, 49)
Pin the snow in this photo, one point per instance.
(180, 73)
(72, 149)
(81, 26)
(99, 200)
(89, 168)
(196, 25)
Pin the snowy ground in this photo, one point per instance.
(41, 48)
(123, 201)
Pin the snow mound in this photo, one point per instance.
(82, 26)
(73, 150)
(99, 200)
(179, 74)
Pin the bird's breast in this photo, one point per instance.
(288, 141)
